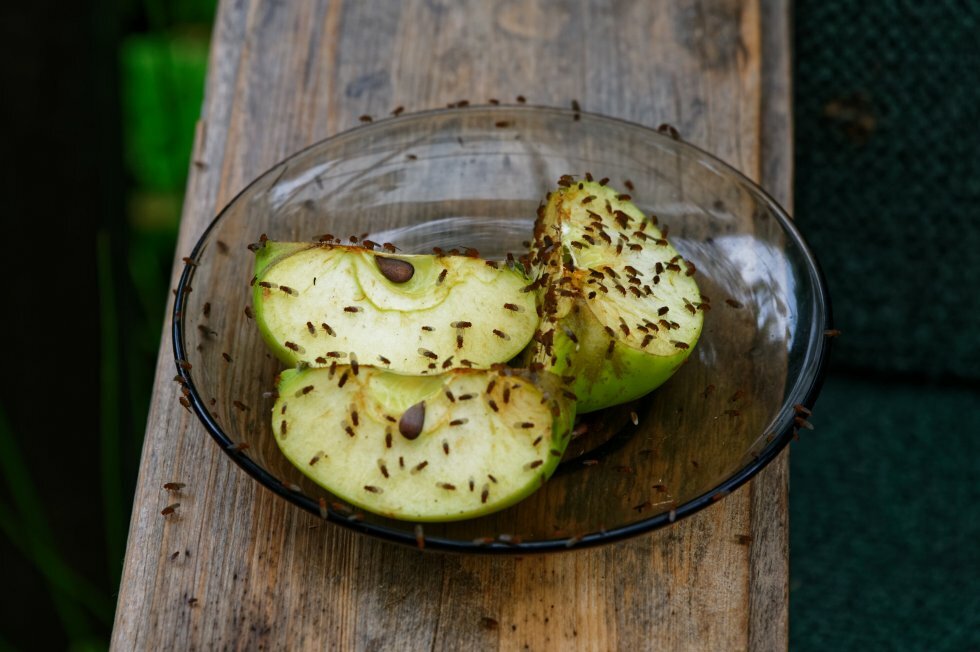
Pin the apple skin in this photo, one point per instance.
(269, 251)
(312, 412)
(603, 378)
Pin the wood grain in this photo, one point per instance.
(253, 572)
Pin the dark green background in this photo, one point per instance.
(885, 501)
(100, 103)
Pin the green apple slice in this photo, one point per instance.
(418, 314)
(424, 448)
(621, 309)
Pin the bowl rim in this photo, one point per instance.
(784, 427)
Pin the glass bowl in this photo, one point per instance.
(474, 177)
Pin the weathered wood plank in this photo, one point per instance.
(284, 75)
(769, 557)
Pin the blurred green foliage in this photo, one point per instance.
(158, 63)
(162, 88)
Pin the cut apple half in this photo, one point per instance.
(424, 448)
(323, 303)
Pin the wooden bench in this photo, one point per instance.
(253, 572)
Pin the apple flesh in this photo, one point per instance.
(320, 304)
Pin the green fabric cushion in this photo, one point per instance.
(885, 519)
(887, 107)
(885, 500)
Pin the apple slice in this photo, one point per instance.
(419, 314)
(424, 448)
(621, 309)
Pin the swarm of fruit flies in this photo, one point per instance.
(443, 386)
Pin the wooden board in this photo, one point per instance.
(254, 572)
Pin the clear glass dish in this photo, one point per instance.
(474, 177)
